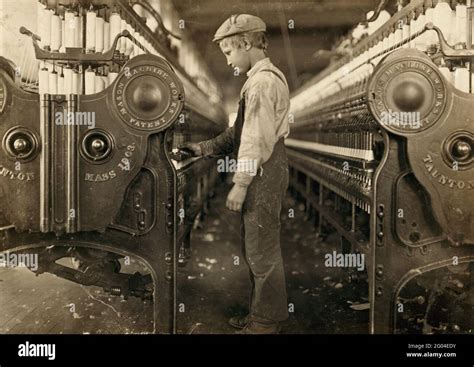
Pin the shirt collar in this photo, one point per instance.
(258, 66)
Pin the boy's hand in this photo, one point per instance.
(236, 198)
(193, 148)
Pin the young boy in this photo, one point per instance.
(257, 136)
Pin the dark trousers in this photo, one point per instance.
(260, 234)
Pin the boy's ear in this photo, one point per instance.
(247, 45)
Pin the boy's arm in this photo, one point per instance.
(220, 145)
(259, 131)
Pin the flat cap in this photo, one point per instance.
(239, 23)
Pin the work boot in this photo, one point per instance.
(239, 322)
(254, 327)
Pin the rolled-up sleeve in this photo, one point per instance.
(259, 131)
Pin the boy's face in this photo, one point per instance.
(237, 57)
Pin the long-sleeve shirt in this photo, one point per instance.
(267, 103)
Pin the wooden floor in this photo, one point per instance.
(48, 304)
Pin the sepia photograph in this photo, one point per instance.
(203, 168)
